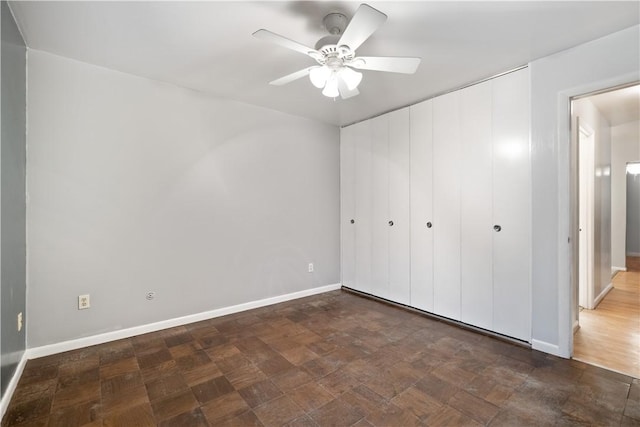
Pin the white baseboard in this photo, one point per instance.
(603, 294)
(11, 387)
(576, 326)
(47, 350)
(633, 254)
(615, 269)
(546, 347)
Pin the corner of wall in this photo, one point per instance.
(13, 384)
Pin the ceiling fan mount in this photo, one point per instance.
(335, 54)
(335, 23)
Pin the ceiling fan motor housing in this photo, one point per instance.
(328, 47)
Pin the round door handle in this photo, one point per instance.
(352, 221)
(429, 225)
(390, 223)
(497, 228)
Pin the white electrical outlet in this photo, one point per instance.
(150, 295)
(84, 302)
(19, 321)
(310, 267)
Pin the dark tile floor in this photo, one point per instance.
(334, 359)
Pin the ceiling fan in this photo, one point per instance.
(336, 53)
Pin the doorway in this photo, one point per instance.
(606, 138)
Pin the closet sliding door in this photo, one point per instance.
(399, 207)
(511, 206)
(380, 203)
(363, 206)
(347, 206)
(476, 206)
(390, 195)
(446, 205)
(422, 225)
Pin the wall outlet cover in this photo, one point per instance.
(84, 302)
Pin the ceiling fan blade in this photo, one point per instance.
(345, 93)
(285, 42)
(293, 76)
(365, 21)
(391, 64)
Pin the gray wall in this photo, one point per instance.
(136, 186)
(633, 215)
(12, 195)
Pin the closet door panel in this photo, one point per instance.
(399, 202)
(446, 206)
(476, 206)
(512, 206)
(421, 205)
(380, 203)
(347, 205)
(363, 206)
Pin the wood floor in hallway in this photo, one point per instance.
(609, 336)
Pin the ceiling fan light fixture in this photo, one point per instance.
(331, 88)
(319, 76)
(350, 77)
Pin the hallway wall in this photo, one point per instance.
(592, 117)
(633, 215)
(625, 147)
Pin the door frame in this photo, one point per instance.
(568, 253)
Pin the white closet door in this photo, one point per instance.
(399, 201)
(363, 206)
(422, 205)
(380, 213)
(446, 206)
(476, 206)
(512, 206)
(347, 205)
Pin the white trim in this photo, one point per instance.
(576, 326)
(633, 254)
(603, 294)
(11, 387)
(547, 348)
(60, 347)
(615, 269)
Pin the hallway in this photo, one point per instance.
(609, 336)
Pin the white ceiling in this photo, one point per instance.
(208, 46)
(619, 106)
